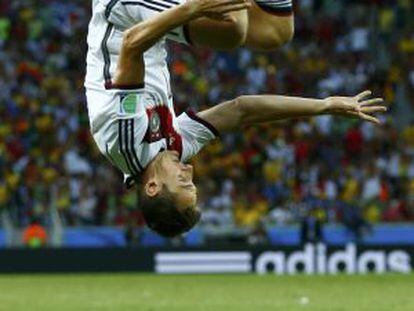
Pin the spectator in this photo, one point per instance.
(35, 236)
(279, 172)
(311, 227)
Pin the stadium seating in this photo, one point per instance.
(271, 174)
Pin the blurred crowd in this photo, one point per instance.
(333, 169)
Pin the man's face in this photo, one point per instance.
(178, 178)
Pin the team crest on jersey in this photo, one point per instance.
(155, 122)
(129, 103)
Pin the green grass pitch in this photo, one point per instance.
(145, 292)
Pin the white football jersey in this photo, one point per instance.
(110, 18)
(131, 126)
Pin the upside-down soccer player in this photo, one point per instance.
(135, 127)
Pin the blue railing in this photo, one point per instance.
(381, 235)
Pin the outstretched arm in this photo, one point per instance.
(141, 37)
(249, 110)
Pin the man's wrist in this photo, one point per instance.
(190, 10)
(322, 106)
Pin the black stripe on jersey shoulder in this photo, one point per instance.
(147, 2)
(134, 153)
(154, 6)
(167, 6)
(127, 145)
(105, 53)
(166, 1)
(109, 7)
(143, 5)
(121, 146)
(171, 1)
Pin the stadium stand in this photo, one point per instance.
(274, 174)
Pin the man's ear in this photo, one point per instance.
(152, 188)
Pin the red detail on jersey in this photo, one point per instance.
(160, 125)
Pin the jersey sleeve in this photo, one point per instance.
(195, 133)
(277, 7)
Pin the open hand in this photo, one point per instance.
(359, 106)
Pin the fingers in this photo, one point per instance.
(369, 118)
(364, 116)
(360, 107)
(373, 109)
(370, 102)
(363, 95)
